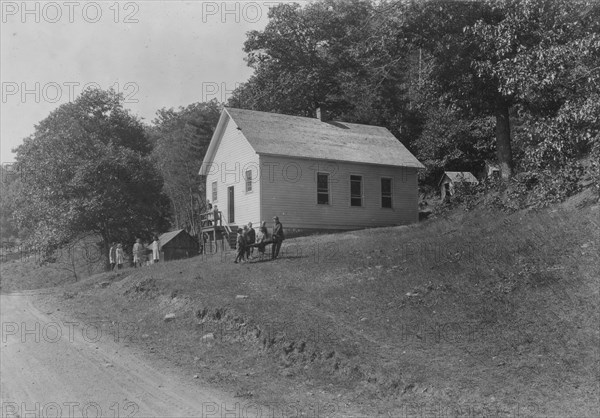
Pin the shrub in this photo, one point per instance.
(528, 189)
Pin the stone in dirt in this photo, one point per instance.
(208, 337)
(241, 297)
(169, 317)
(104, 284)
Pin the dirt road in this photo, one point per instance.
(51, 368)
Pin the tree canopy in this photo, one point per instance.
(527, 69)
(181, 138)
(87, 168)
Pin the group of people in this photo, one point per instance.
(247, 239)
(116, 254)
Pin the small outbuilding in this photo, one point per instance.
(451, 178)
(491, 170)
(175, 245)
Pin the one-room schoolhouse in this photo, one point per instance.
(314, 173)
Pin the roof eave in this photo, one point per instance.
(214, 142)
(417, 166)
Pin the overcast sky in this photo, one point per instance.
(157, 53)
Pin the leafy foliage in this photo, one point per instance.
(181, 138)
(451, 142)
(328, 54)
(87, 168)
(546, 55)
(441, 76)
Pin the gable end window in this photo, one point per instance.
(322, 188)
(214, 191)
(386, 192)
(356, 191)
(248, 181)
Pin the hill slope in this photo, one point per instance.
(481, 313)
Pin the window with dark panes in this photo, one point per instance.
(248, 181)
(386, 192)
(322, 188)
(356, 190)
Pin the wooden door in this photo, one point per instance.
(230, 206)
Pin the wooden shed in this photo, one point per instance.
(451, 178)
(491, 170)
(175, 245)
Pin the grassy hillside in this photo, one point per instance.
(478, 314)
(24, 268)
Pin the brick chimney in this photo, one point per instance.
(322, 114)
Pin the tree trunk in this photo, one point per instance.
(503, 147)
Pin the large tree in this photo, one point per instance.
(491, 56)
(545, 54)
(437, 72)
(181, 138)
(437, 28)
(87, 168)
(301, 56)
(329, 54)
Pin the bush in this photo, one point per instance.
(529, 189)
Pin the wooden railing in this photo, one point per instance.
(227, 227)
(208, 219)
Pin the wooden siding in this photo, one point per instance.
(182, 246)
(233, 157)
(289, 190)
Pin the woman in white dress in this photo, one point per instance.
(120, 256)
(156, 250)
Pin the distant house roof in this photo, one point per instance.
(459, 177)
(302, 137)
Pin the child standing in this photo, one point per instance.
(112, 255)
(262, 238)
(120, 256)
(138, 253)
(250, 239)
(240, 245)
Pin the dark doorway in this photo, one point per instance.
(230, 206)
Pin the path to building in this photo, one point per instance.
(50, 369)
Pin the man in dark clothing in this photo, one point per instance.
(250, 239)
(277, 238)
(217, 216)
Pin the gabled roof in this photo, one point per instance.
(302, 137)
(166, 237)
(459, 177)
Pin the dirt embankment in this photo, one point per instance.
(481, 313)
